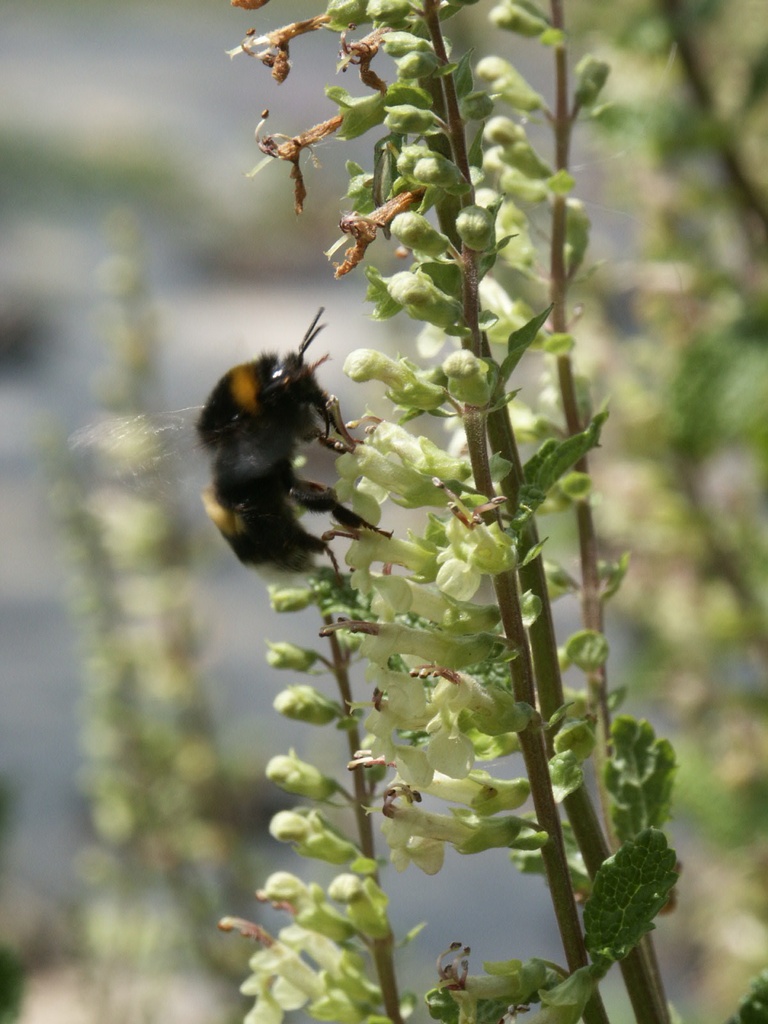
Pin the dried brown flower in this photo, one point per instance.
(274, 52)
(361, 53)
(291, 148)
(363, 227)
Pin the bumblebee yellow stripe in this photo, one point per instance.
(229, 522)
(244, 386)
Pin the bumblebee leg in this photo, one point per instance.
(333, 418)
(318, 498)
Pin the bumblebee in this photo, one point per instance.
(252, 424)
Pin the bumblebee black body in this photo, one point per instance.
(252, 424)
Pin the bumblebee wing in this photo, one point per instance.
(130, 448)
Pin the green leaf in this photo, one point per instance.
(753, 1008)
(378, 294)
(561, 183)
(462, 76)
(554, 458)
(384, 167)
(639, 777)
(519, 341)
(358, 113)
(587, 649)
(442, 1006)
(550, 462)
(612, 575)
(630, 888)
(566, 774)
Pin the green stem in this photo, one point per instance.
(591, 604)
(381, 949)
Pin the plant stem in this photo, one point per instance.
(639, 969)
(591, 604)
(475, 424)
(381, 949)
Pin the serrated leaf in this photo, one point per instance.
(629, 890)
(549, 463)
(556, 457)
(639, 776)
(519, 341)
(566, 774)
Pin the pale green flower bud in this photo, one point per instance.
(283, 887)
(476, 106)
(577, 226)
(305, 704)
(289, 599)
(287, 655)
(476, 227)
(406, 387)
(311, 908)
(520, 186)
(494, 710)
(591, 76)
(293, 775)
(426, 167)
(415, 232)
(467, 378)
(365, 902)
(423, 300)
(522, 17)
(577, 735)
(406, 119)
(439, 171)
(390, 12)
(503, 131)
(509, 83)
(418, 64)
(399, 44)
(312, 836)
(345, 12)
(524, 157)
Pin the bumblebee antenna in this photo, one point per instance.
(312, 333)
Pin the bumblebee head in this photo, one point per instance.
(249, 395)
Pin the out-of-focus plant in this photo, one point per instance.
(686, 121)
(174, 828)
(11, 969)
